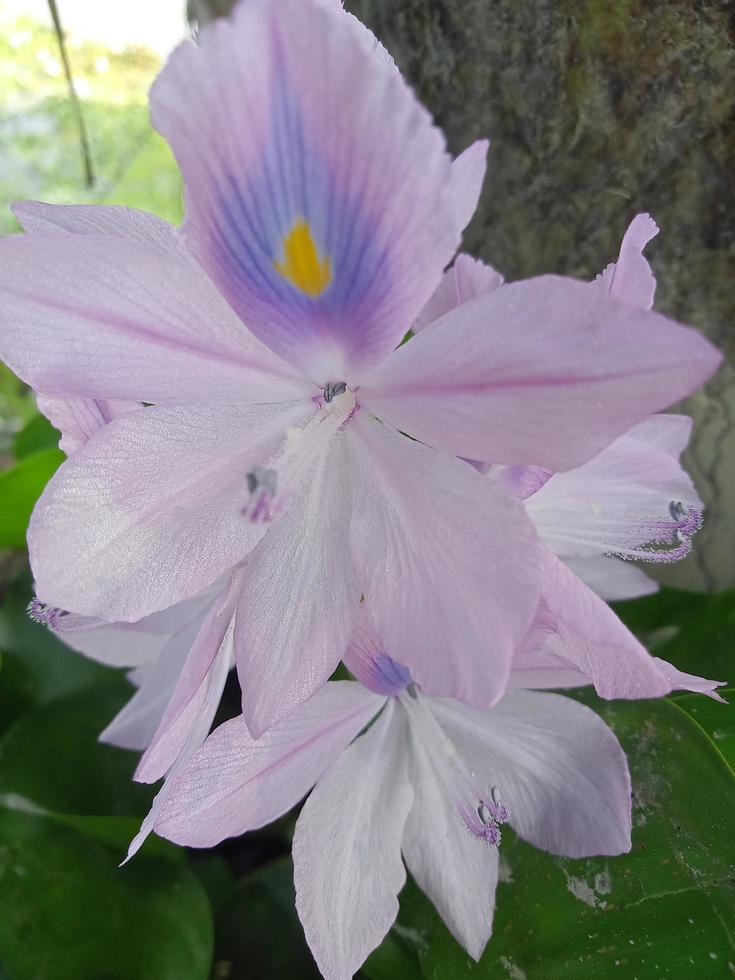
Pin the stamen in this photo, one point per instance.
(46, 615)
(331, 391)
(262, 482)
(482, 812)
(679, 531)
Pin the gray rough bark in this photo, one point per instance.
(597, 110)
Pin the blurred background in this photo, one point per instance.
(596, 112)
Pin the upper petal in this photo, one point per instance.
(559, 769)
(319, 195)
(347, 849)
(467, 279)
(149, 511)
(630, 279)
(546, 371)
(449, 574)
(622, 499)
(300, 597)
(235, 783)
(114, 318)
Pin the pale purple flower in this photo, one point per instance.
(633, 500)
(321, 210)
(431, 783)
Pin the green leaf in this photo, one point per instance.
(36, 435)
(20, 488)
(694, 632)
(258, 934)
(37, 666)
(116, 832)
(52, 757)
(68, 912)
(663, 910)
(715, 719)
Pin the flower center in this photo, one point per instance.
(273, 483)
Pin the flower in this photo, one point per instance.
(632, 500)
(321, 210)
(431, 780)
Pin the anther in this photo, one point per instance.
(46, 615)
(677, 510)
(333, 389)
(262, 482)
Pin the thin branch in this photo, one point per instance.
(75, 104)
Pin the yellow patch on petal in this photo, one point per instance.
(302, 265)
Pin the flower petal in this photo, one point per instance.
(467, 279)
(630, 279)
(455, 870)
(621, 501)
(198, 689)
(154, 501)
(546, 372)
(355, 815)
(111, 318)
(300, 597)
(468, 175)
(578, 628)
(135, 725)
(612, 578)
(450, 574)
(557, 766)
(128, 644)
(79, 418)
(95, 219)
(319, 195)
(235, 783)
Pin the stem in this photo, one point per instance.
(75, 104)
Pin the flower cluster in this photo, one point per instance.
(262, 476)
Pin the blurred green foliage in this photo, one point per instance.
(68, 806)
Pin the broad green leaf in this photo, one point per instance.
(665, 910)
(51, 757)
(717, 720)
(116, 832)
(695, 632)
(68, 912)
(37, 666)
(36, 435)
(20, 488)
(258, 934)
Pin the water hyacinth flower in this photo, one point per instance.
(321, 210)
(633, 500)
(431, 782)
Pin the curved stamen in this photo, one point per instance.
(678, 532)
(46, 615)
